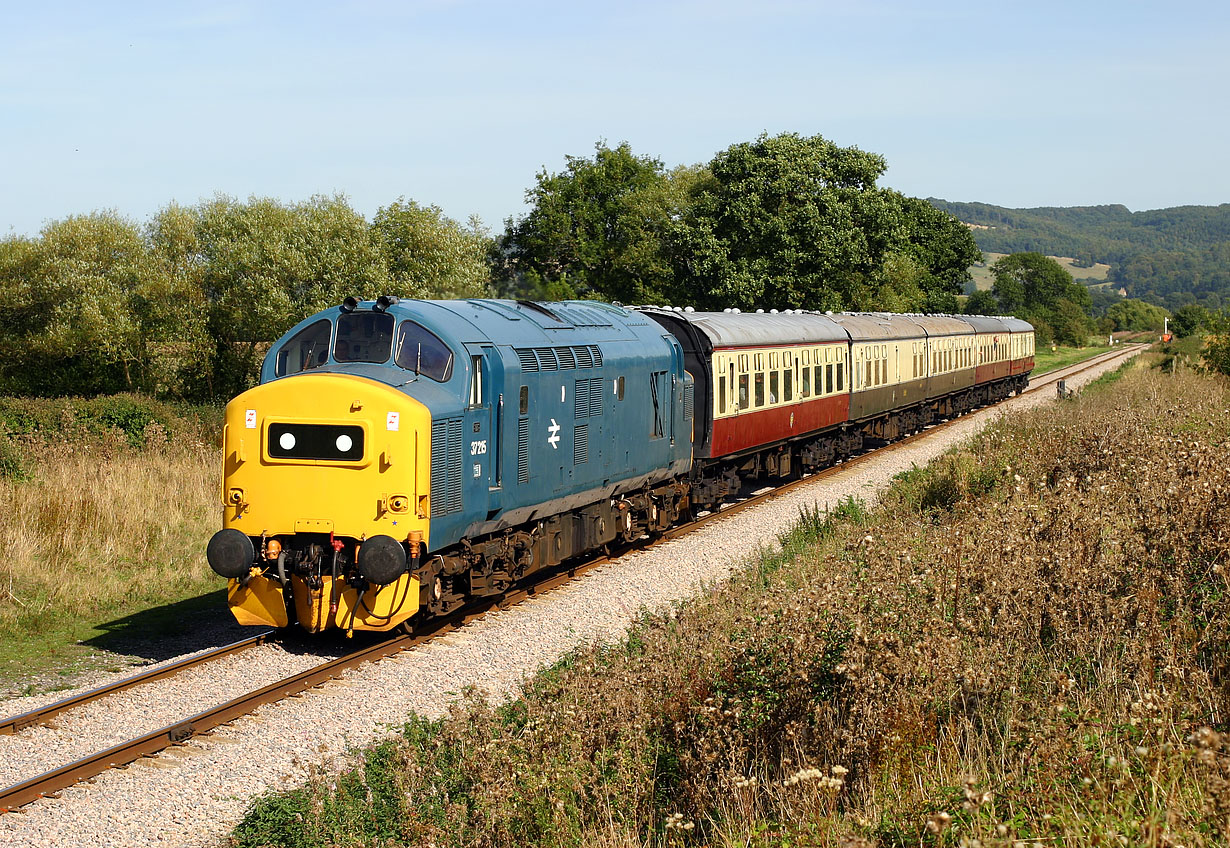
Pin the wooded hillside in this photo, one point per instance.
(1171, 257)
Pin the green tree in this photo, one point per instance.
(787, 221)
(82, 303)
(1040, 280)
(600, 226)
(1189, 320)
(941, 244)
(1133, 314)
(1038, 289)
(265, 266)
(982, 303)
(1217, 342)
(428, 254)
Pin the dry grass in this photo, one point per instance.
(96, 525)
(1029, 644)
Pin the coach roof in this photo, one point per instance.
(760, 329)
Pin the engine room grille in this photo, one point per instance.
(580, 444)
(688, 401)
(559, 358)
(445, 466)
(587, 397)
(523, 450)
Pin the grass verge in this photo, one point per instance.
(1046, 359)
(107, 504)
(1027, 642)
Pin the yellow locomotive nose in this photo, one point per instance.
(325, 496)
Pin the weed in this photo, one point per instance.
(1026, 642)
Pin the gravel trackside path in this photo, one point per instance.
(194, 794)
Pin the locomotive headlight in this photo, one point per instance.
(287, 441)
(344, 443)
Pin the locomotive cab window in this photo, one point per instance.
(309, 348)
(421, 351)
(364, 337)
(476, 381)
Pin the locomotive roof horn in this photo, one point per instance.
(349, 304)
(384, 302)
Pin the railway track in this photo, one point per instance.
(155, 741)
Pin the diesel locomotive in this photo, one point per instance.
(398, 458)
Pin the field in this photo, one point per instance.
(1027, 643)
(107, 504)
(984, 281)
(1046, 359)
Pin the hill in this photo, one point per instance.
(1170, 257)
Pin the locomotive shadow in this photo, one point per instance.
(170, 630)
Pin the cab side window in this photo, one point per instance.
(307, 349)
(421, 351)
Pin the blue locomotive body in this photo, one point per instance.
(542, 409)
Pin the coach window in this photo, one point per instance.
(421, 351)
(787, 385)
(307, 349)
(743, 392)
(759, 387)
(805, 385)
(774, 394)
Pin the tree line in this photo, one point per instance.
(185, 304)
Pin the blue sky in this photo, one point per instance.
(129, 106)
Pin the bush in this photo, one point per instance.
(1046, 664)
(82, 419)
(12, 464)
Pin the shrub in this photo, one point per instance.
(12, 464)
